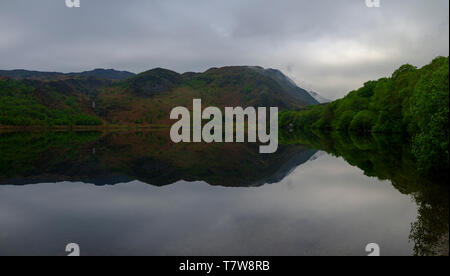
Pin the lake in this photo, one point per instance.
(137, 193)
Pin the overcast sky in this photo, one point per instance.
(327, 46)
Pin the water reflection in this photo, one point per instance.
(151, 157)
(318, 203)
(388, 158)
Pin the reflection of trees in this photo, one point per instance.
(389, 158)
(25, 153)
(430, 232)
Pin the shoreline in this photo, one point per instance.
(4, 128)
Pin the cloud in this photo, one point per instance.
(329, 46)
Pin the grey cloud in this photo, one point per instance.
(328, 46)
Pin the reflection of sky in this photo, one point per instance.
(324, 207)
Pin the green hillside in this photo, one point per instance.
(413, 102)
(29, 98)
(34, 103)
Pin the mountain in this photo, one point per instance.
(289, 85)
(118, 97)
(110, 74)
(319, 98)
(148, 97)
(152, 82)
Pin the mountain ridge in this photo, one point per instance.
(43, 75)
(108, 96)
(113, 74)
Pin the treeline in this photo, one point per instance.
(413, 102)
(20, 106)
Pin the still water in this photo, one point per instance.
(136, 194)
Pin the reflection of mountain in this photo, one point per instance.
(317, 155)
(106, 159)
(289, 165)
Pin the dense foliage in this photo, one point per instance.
(21, 106)
(414, 102)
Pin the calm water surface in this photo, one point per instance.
(313, 203)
